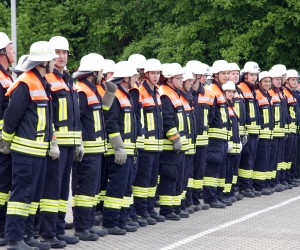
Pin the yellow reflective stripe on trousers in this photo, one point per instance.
(126, 202)
(166, 200)
(63, 111)
(47, 205)
(190, 183)
(257, 175)
(17, 208)
(3, 198)
(33, 208)
(112, 202)
(234, 179)
(245, 173)
(83, 201)
(63, 206)
(102, 195)
(210, 181)
(1, 124)
(221, 182)
(151, 192)
(140, 192)
(177, 200)
(197, 184)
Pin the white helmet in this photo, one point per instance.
(19, 68)
(204, 69)
(194, 66)
(291, 73)
(264, 74)
(59, 42)
(233, 67)
(4, 40)
(251, 67)
(91, 62)
(165, 69)
(137, 60)
(229, 86)
(41, 51)
(109, 66)
(278, 70)
(173, 70)
(219, 65)
(188, 74)
(152, 65)
(124, 69)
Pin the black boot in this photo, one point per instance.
(19, 245)
(54, 242)
(3, 242)
(69, 239)
(36, 243)
(100, 232)
(85, 235)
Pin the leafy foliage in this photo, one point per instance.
(265, 31)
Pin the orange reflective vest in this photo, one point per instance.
(152, 118)
(34, 130)
(252, 113)
(219, 126)
(278, 130)
(292, 110)
(266, 115)
(92, 120)
(179, 119)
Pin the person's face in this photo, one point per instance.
(265, 83)
(153, 77)
(11, 54)
(229, 94)
(203, 79)
(293, 81)
(234, 76)
(251, 78)
(277, 81)
(62, 59)
(177, 81)
(188, 84)
(222, 77)
(51, 66)
(109, 75)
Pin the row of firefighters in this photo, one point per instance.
(131, 133)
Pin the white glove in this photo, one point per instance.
(54, 149)
(244, 139)
(79, 152)
(109, 95)
(177, 145)
(120, 153)
(241, 147)
(229, 147)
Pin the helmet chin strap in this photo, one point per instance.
(3, 52)
(47, 67)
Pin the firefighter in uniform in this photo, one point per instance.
(262, 160)
(240, 109)
(27, 133)
(234, 139)
(108, 71)
(66, 118)
(121, 129)
(93, 135)
(248, 154)
(174, 144)
(144, 186)
(7, 57)
(214, 172)
(202, 104)
(290, 83)
(277, 143)
(187, 101)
